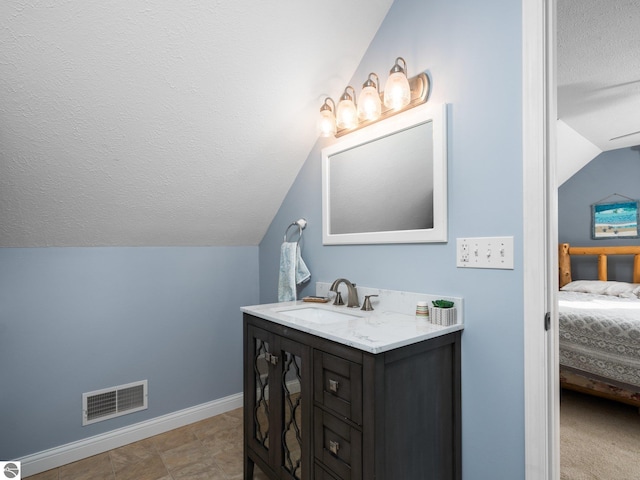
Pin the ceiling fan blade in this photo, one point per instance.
(626, 135)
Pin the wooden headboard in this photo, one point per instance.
(564, 259)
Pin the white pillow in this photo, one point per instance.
(597, 287)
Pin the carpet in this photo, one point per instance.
(599, 439)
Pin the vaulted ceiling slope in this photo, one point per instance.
(145, 123)
(599, 70)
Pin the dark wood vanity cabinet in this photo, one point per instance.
(315, 409)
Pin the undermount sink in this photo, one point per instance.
(318, 315)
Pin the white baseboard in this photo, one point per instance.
(72, 452)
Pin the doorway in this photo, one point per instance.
(540, 239)
(541, 395)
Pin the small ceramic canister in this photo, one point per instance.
(422, 311)
(443, 316)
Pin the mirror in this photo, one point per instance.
(387, 183)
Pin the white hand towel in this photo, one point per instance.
(302, 272)
(293, 271)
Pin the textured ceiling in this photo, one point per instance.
(145, 123)
(599, 70)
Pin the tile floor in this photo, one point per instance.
(207, 450)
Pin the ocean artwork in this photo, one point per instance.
(615, 220)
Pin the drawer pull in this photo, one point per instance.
(271, 358)
(334, 447)
(333, 385)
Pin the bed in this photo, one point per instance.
(599, 327)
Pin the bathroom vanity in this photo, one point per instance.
(331, 394)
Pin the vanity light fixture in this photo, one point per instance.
(397, 92)
(327, 120)
(346, 114)
(369, 104)
(400, 94)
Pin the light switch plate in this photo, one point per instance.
(485, 252)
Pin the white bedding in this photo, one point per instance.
(600, 335)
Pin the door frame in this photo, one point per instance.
(540, 239)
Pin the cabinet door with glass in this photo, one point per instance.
(277, 405)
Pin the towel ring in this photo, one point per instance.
(301, 224)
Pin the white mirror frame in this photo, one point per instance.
(438, 234)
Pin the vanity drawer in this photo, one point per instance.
(338, 446)
(338, 385)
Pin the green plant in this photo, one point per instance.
(442, 303)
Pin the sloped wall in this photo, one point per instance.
(574, 151)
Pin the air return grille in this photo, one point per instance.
(113, 402)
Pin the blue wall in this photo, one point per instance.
(73, 320)
(615, 171)
(472, 53)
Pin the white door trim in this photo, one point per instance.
(541, 391)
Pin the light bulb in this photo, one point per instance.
(327, 121)
(346, 113)
(397, 92)
(369, 104)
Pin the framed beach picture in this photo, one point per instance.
(614, 220)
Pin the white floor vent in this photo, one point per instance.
(112, 402)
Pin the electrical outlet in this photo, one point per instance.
(485, 252)
(464, 252)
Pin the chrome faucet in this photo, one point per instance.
(352, 293)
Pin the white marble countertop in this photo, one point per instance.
(374, 332)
